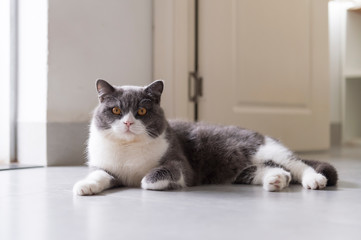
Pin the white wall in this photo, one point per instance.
(5, 81)
(335, 34)
(90, 39)
(32, 81)
(337, 18)
(33, 52)
(78, 42)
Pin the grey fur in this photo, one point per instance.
(325, 169)
(201, 153)
(130, 100)
(271, 163)
(216, 154)
(247, 175)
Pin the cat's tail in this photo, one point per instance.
(325, 169)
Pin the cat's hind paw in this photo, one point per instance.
(276, 180)
(86, 187)
(314, 181)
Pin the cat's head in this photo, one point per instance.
(128, 112)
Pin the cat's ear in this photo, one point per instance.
(155, 89)
(103, 88)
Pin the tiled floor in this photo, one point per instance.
(38, 204)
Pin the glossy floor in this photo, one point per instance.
(39, 204)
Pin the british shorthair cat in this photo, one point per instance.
(132, 144)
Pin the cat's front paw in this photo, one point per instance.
(153, 182)
(276, 180)
(157, 185)
(87, 187)
(314, 181)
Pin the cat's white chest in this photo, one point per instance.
(130, 162)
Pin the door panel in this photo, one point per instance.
(265, 67)
(271, 53)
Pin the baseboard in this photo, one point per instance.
(31, 143)
(336, 134)
(66, 143)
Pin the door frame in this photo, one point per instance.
(173, 54)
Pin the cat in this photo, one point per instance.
(132, 144)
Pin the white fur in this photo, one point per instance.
(120, 131)
(94, 183)
(127, 155)
(272, 179)
(313, 180)
(301, 172)
(181, 181)
(162, 184)
(276, 179)
(158, 185)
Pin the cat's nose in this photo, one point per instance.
(128, 123)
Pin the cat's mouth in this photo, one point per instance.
(124, 132)
(125, 136)
(129, 131)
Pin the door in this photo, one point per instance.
(265, 67)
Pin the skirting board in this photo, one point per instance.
(66, 143)
(52, 144)
(336, 134)
(31, 143)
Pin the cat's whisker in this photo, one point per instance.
(150, 133)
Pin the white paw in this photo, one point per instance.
(87, 187)
(158, 185)
(276, 180)
(314, 181)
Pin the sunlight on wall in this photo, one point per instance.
(33, 53)
(32, 81)
(336, 16)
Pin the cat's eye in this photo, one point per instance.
(142, 111)
(116, 110)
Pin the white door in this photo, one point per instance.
(264, 65)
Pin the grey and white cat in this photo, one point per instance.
(132, 144)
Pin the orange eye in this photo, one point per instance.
(116, 110)
(142, 111)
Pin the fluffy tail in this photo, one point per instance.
(325, 169)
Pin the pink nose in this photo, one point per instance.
(128, 123)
